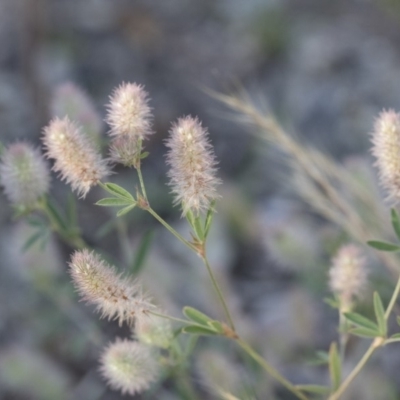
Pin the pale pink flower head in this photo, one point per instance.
(386, 149)
(75, 154)
(70, 100)
(129, 113)
(192, 166)
(348, 276)
(23, 174)
(99, 283)
(130, 367)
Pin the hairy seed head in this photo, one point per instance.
(128, 112)
(75, 155)
(192, 166)
(124, 150)
(98, 283)
(348, 275)
(71, 101)
(153, 330)
(23, 174)
(129, 366)
(386, 149)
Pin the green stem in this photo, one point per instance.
(392, 300)
(343, 335)
(219, 293)
(142, 187)
(342, 388)
(172, 230)
(271, 370)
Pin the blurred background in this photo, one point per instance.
(324, 68)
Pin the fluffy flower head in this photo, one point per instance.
(348, 275)
(386, 149)
(71, 101)
(128, 112)
(98, 283)
(129, 366)
(75, 155)
(192, 166)
(23, 174)
(154, 330)
(124, 150)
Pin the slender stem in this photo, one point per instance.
(342, 388)
(219, 292)
(343, 335)
(142, 187)
(172, 230)
(392, 300)
(271, 370)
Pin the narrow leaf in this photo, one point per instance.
(398, 320)
(320, 358)
(335, 369)
(142, 252)
(144, 155)
(116, 190)
(113, 202)
(216, 326)
(361, 321)
(198, 330)
(383, 246)
(33, 239)
(196, 316)
(314, 389)
(125, 210)
(334, 303)
(395, 336)
(56, 215)
(396, 222)
(209, 219)
(364, 332)
(380, 314)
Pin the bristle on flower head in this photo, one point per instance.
(98, 283)
(129, 366)
(192, 166)
(129, 113)
(75, 155)
(23, 174)
(386, 149)
(348, 275)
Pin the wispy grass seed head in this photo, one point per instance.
(192, 166)
(99, 283)
(129, 113)
(386, 149)
(75, 155)
(130, 367)
(23, 174)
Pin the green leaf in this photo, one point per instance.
(314, 389)
(144, 155)
(383, 246)
(142, 252)
(364, 332)
(196, 316)
(396, 222)
(125, 210)
(116, 190)
(361, 321)
(209, 219)
(56, 215)
(395, 336)
(335, 369)
(31, 241)
(380, 314)
(333, 302)
(114, 202)
(319, 358)
(198, 330)
(216, 326)
(398, 320)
